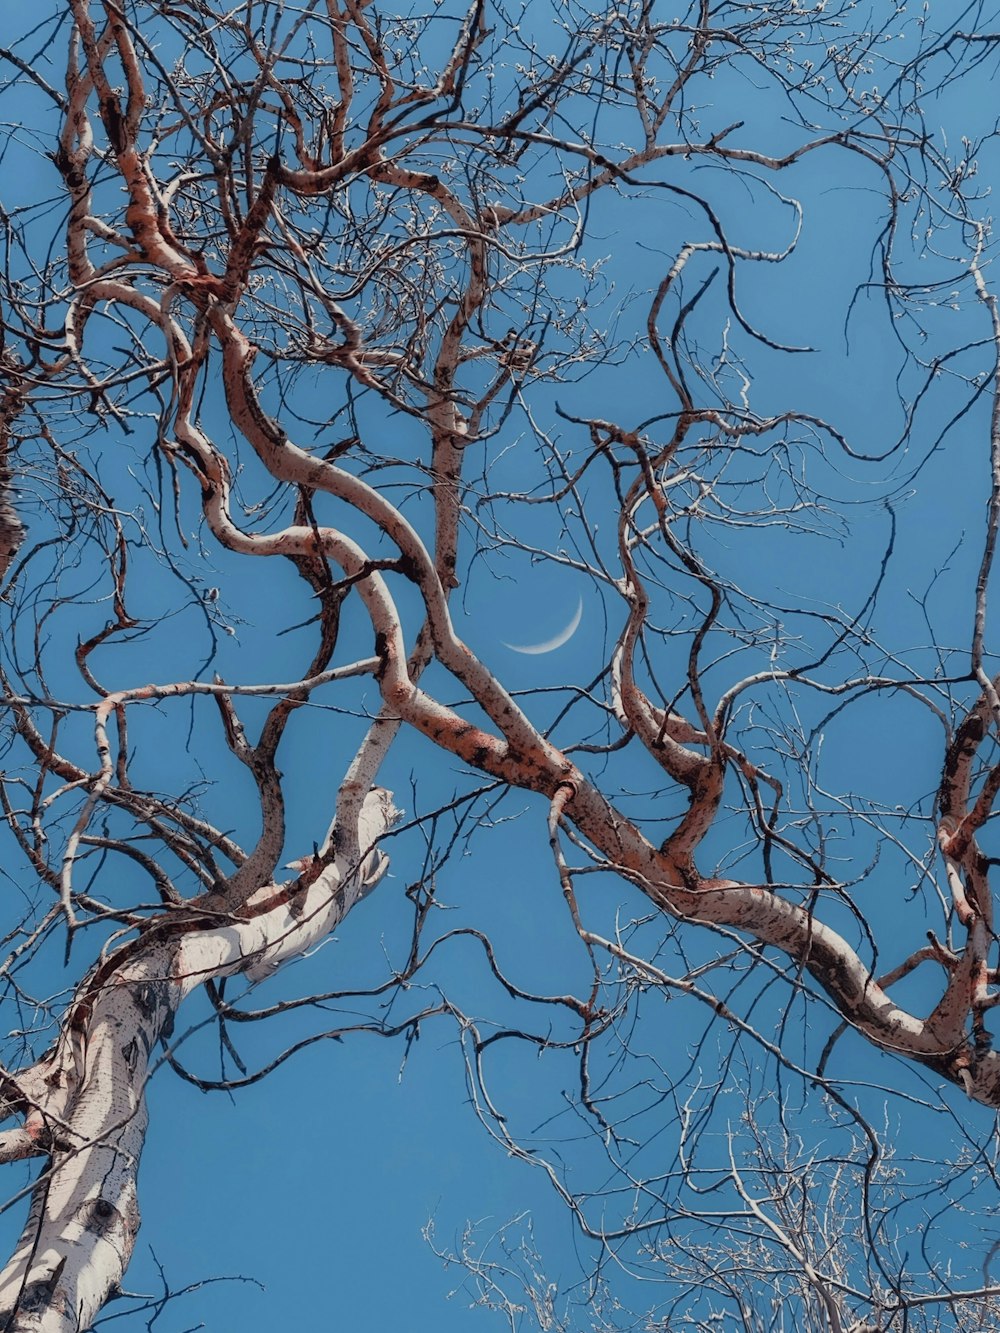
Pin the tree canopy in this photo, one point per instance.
(554, 452)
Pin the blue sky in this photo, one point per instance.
(318, 1181)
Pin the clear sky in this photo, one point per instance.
(318, 1181)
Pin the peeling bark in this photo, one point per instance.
(84, 1216)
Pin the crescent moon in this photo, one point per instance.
(557, 640)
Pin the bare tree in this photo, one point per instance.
(779, 1240)
(335, 287)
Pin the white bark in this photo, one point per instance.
(84, 1215)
